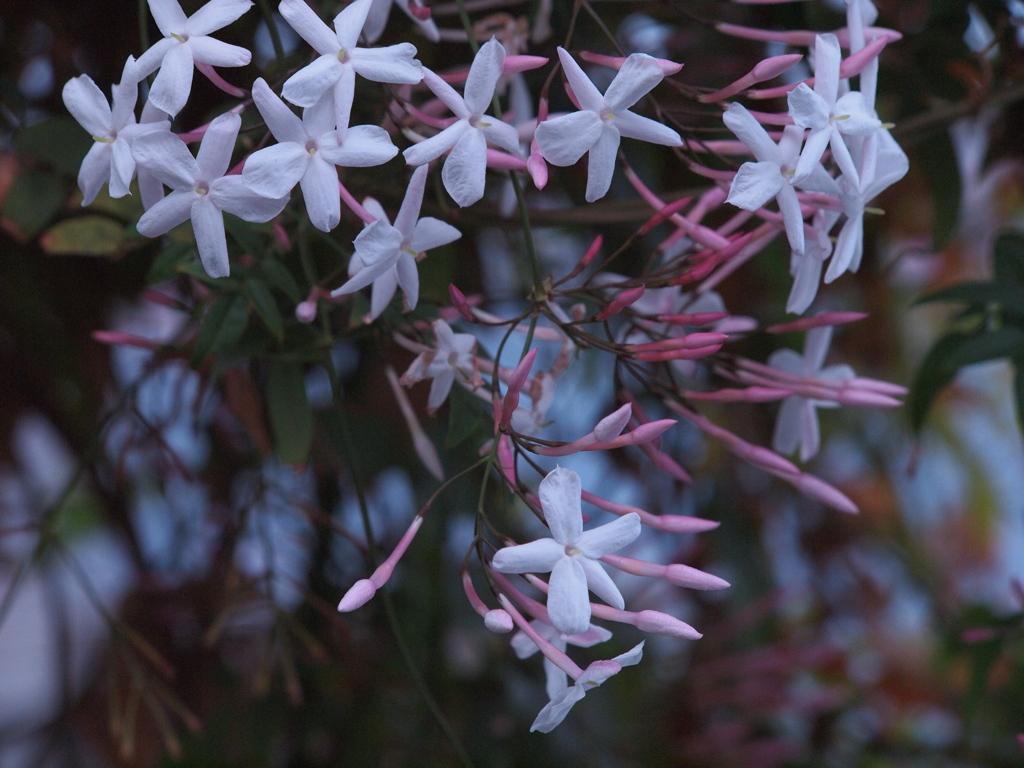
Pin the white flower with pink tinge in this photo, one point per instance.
(571, 555)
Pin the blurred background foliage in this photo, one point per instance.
(169, 580)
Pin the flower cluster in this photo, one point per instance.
(832, 156)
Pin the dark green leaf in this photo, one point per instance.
(265, 306)
(277, 274)
(936, 158)
(1006, 294)
(33, 201)
(291, 420)
(243, 233)
(167, 265)
(59, 142)
(951, 353)
(222, 326)
(465, 416)
(1009, 259)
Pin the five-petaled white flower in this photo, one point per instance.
(797, 422)
(385, 255)
(112, 127)
(571, 555)
(555, 710)
(200, 190)
(453, 356)
(829, 116)
(186, 43)
(603, 119)
(465, 170)
(556, 680)
(308, 152)
(340, 60)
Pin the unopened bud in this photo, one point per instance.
(659, 623)
(358, 595)
(498, 621)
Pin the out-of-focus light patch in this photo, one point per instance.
(979, 35)
(40, 672)
(275, 546)
(1016, 9)
(345, 356)
(263, 44)
(174, 531)
(933, 728)
(790, 567)
(36, 78)
(643, 34)
(45, 462)
(318, 388)
(465, 653)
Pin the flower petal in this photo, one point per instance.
(167, 213)
(465, 170)
(282, 122)
(306, 86)
(166, 157)
(122, 168)
(215, 15)
(792, 217)
(173, 82)
(408, 279)
(431, 233)
(601, 164)
(585, 91)
(349, 23)
(384, 286)
(565, 139)
(755, 184)
(363, 146)
(634, 126)
(393, 64)
(786, 437)
(607, 538)
(601, 584)
(827, 57)
(168, 16)
(637, 76)
(208, 225)
(555, 679)
(538, 556)
(310, 28)
(320, 191)
(500, 133)
(554, 712)
(217, 146)
(810, 432)
(87, 104)
(568, 599)
(560, 493)
(483, 76)
(405, 221)
(321, 118)
(233, 195)
(217, 53)
(376, 20)
(738, 120)
(440, 387)
(95, 171)
(273, 171)
(151, 190)
(446, 94)
(807, 108)
(378, 243)
(344, 95)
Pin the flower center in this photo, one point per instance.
(311, 147)
(571, 550)
(478, 122)
(453, 359)
(202, 188)
(608, 116)
(342, 55)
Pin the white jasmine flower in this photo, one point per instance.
(186, 43)
(200, 190)
(603, 119)
(555, 677)
(385, 255)
(453, 356)
(465, 169)
(112, 127)
(797, 423)
(571, 555)
(340, 60)
(309, 151)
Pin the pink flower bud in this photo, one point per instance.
(620, 302)
(668, 68)
(611, 426)
(503, 161)
(522, 63)
(515, 386)
(659, 623)
(499, 621)
(683, 524)
(460, 303)
(419, 11)
(537, 166)
(305, 312)
(358, 595)
(817, 489)
(685, 576)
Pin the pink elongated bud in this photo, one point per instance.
(802, 38)
(503, 161)
(680, 575)
(815, 488)
(859, 398)
(620, 302)
(522, 63)
(855, 62)
(507, 460)
(681, 524)
(658, 623)
(611, 426)
(589, 442)
(559, 658)
(515, 386)
(459, 302)
(214, 77)
(591, 252)
(697, 318)
(358, 595)
(537, 166)
(689, 341)
(827, 318)
(745, 395)
(874, 385)
(419, 11)
(477, 604)
(499, 621)
(120, 338)
(664, 213)
(346, 197)
(668, 68)
(763, 70)
(767, 459)
(676, 354)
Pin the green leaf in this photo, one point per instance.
(222, 326)
(265, 306)
(1004, 293)
(244, 234)
(291, 420)
(465, 416)
(277, 275)
(937, 160)
(1009, 259)
(168, 263)
(83, 236)
(59, 142)
(33, 201)
(951, 353)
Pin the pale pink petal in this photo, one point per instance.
(446, 94)
(634, 126)
(814, 148)
(218, 145)
(751, 133)
(168, 16)
(150, 61)
(393, 64)
(233, 195)
(534, 557)
(638, 75)
(610, 537)
(214, 15)
(560, 493)
(787, 361)
(167, 213)
(431, 233)
(555, 711)
(344, 95)
(810, 432)
(754, 185)
(815, 349)
(282, 122)
(217, 53)
(857, 119)
(786, 437)
(275, 170)
(805, 284)
(173, 82)
(310, 28)
(151, 190)
(306, 86)
(208, 225)
(631, 657)
(87, 104)
(440, 387)
(166, 157)
(565, 139)
(585, 91)
(435, 146)
(465, 170)
(320, 191)
(364, 146)
(376, 20)
(408, 279)
(807, 108)
(500, 134)
(378, 243)
(568, 599)
(349, 23)
(601, 584)
(483, 76)
(792, 216)
(601, 164)
(405, 221)
(122, 168)
(95, 171)
(849, 247)
(384, 286)
(321, 118)
(376, 210)
(827, 58)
